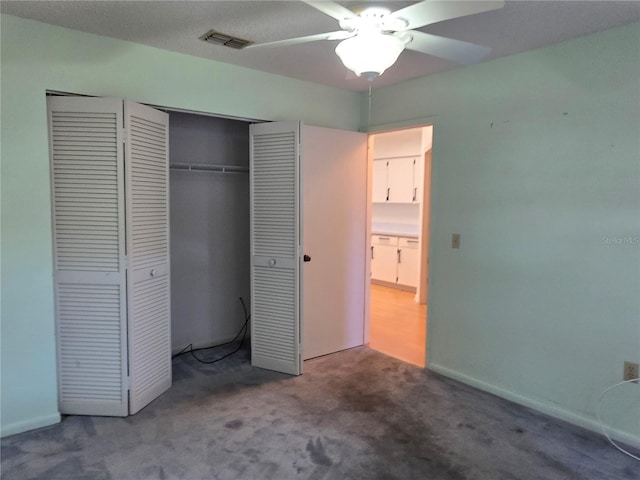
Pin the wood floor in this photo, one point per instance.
(398, 325)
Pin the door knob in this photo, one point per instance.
(306, 258)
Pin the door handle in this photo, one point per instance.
(306, 258)
(388, 192)
(371, 252)
(399, 256)
(415, 193)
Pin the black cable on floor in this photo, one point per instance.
(189, 348)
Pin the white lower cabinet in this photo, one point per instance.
(408, 261)
(384, 254)
(395, 260)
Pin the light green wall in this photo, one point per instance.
(536, 164)
(37, 57)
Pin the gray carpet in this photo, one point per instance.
(356, 414)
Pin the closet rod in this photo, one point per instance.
(204, 167)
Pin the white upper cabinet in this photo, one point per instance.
(379, 191)
(400, 180)
(398, 166)
(397, 180)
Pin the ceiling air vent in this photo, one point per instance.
(218, 38)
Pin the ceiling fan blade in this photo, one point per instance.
(428, 12)
(447, 48)
(337, 35)
(332, 9)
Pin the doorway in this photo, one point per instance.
(399, 242)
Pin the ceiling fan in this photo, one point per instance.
(374, 36)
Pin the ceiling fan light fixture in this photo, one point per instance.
(369, 54)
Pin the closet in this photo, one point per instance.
(126, 178)
(111, 253)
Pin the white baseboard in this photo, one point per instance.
(31, 424)
(548, 409)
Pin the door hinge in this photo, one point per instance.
(125, 136)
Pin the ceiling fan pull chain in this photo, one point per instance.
(369, 112)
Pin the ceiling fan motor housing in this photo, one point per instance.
(373, 19)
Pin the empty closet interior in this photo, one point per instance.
(209, 228)
(152, 243)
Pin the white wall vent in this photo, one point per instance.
(218, 38)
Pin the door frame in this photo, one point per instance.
(426, 209)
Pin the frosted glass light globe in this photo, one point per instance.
(369, 54)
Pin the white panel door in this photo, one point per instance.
(275, 246)
(149, 320)
(334, 197)
(87, 169)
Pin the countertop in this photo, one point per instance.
(395, 229)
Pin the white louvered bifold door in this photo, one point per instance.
(275, 247)
(85, 137)
(147, 181)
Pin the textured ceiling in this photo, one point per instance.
(177, 26)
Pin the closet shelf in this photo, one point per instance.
(205, 167)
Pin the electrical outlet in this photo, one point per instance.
(630, 371)
(455, 240)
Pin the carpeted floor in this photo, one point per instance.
(356, 414)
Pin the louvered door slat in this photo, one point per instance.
(148, 247)
(275, 240)
(88, 225)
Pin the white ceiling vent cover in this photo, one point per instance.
(218, 38)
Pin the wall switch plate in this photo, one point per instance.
(455, 240)
(630, 371)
